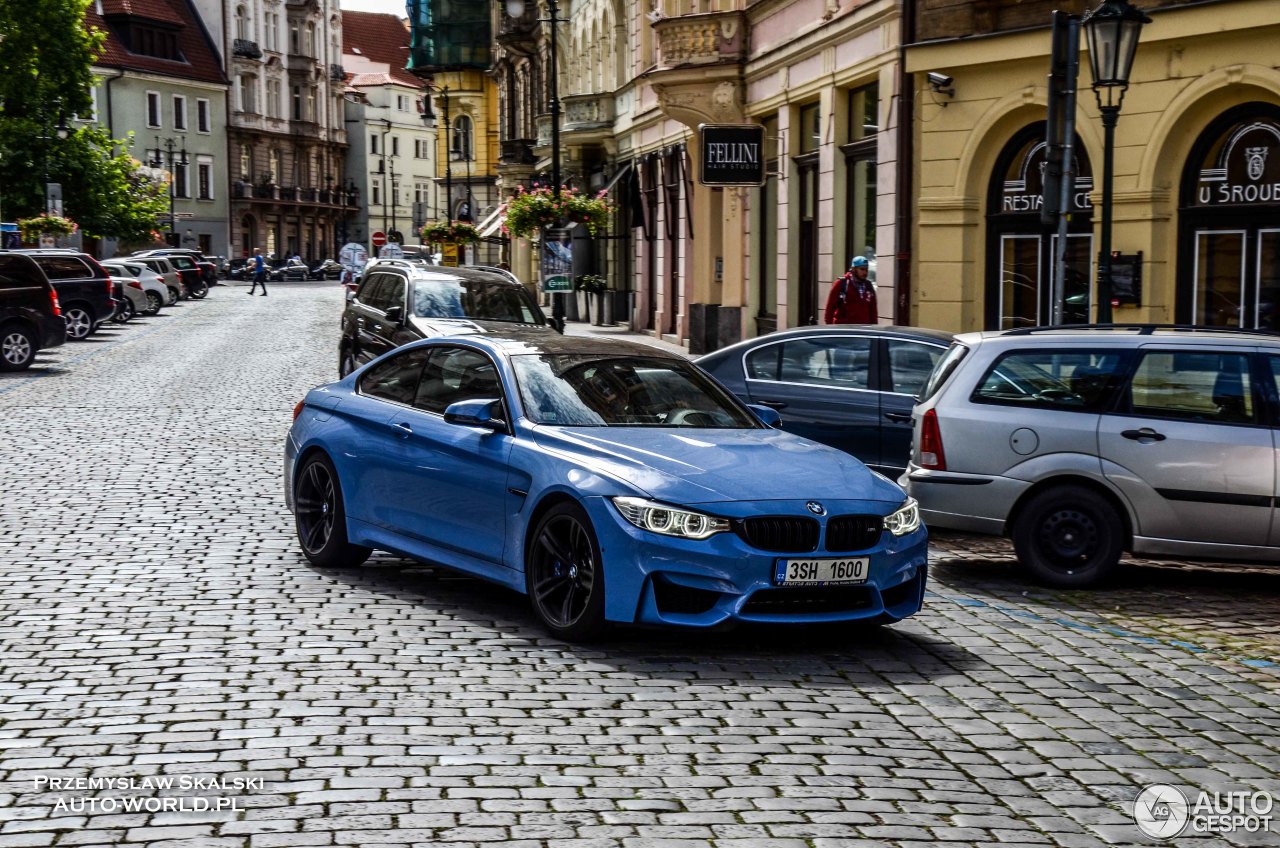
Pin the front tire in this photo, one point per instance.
(1069, 537)
(173, 295)
(79, 322)
(17, 348)
(564, 574)
(199, 290)
(346, 361)
(320, 517)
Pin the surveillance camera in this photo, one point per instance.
(939, 81)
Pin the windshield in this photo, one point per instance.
(482, 299)
(594, 390)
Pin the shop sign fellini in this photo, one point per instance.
(1245, 169)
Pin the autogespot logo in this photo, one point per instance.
(1161, 811)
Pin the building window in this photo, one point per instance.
(203, 121)
(92, 113)
(373, 143)
(204, 180)
(181, 186)
(313, 49)
(179, 112)
(242, 24)
(273, 98)
(246, 164)
(810, 127)
(274, 173)
(295, 37)
(461, 144)
(767, 226)
(864, 112)
(395, 145)
(246, 88)
(402, 103)
(297, 103)
(311, 104)
(860, 173)
(153, 109)
(377, 196)
(273, 31)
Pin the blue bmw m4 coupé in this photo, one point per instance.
(610, 481)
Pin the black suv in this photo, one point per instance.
(30, 315)
(399, 302)
(84, 289)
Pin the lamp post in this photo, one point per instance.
(429, 118)
(1112, 30)
(60, 132)
(515, 9)
(160, 156)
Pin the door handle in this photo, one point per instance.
(773, 404)
(403, 428)
(898, 417)
(1144, 433)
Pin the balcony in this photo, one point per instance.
(585, 112)
(542, 123)
(309, 195)
(710, 38)
(517, 151)
(307, 129)
(246, 49)
(519, 35)
(337, 73)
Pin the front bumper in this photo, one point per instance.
(656, 579)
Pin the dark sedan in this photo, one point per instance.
(850, 386)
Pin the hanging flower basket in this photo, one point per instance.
(529, 211)
(46, 225)
(590, 283)
(457, 232)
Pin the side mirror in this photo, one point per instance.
(395, 314)
(768, 416)
(556, 324)
(481, 412)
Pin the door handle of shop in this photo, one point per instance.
(403, 428)
(1144, 433)
(773, 404)
(898, 417)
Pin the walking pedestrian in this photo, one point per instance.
(853, 297)
(259, 272)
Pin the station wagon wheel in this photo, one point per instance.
(79, 322)
(564, 575)
(1069, 536)
(17, 348)
(321, 519)
(154, 302)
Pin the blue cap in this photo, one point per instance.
(859, 262)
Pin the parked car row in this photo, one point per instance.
(51, 296)
(280, 270)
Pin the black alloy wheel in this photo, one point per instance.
(321, 519)
(1069, 536)
(564, 575)
(17, 348)
(198, 289)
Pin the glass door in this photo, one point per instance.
(1019, 281)
(1073, 297)
(1267, 315)
(1218, 297)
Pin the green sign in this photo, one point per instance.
(557, 283)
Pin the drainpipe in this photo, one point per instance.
(905, 157)
(111, 115)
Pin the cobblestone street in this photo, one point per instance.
(158, 619)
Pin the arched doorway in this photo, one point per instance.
(1020, 280)
(1229, 222)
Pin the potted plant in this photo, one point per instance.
(450, 232)
(45, 224)
(530, 210)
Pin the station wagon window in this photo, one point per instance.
(1083, 381)
(1192, 385)
(17, 272)
(910, 364)
(833, 361)
(64, 267)
(397, 378)
(457, 374)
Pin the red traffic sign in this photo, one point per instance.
(379, 239)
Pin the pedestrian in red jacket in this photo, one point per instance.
(853, 297)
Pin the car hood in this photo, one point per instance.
(692, 466)
(435, 327)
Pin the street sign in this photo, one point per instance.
(379, 238)
(732, 154)
(449, 255)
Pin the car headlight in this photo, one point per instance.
(668, 520)
(905, 520)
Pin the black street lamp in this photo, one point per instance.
(160, 156)
(429, 118)
(1112, 30)
(515, 9)
(61, 131)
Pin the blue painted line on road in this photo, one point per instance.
(89, 354)
(1089, 628)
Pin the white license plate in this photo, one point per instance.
(817, 572)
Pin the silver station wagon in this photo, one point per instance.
(1082, 443)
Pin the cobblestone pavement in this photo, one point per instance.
(157, 621)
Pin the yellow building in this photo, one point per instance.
(466, 109)
(1197, 170)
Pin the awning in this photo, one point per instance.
(617, 175)
(492, 223)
